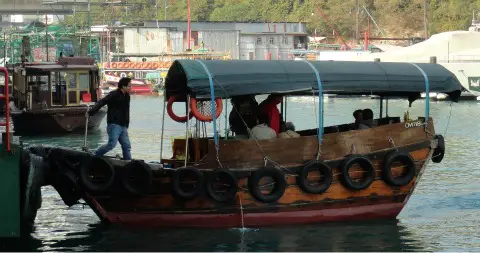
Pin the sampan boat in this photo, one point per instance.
(52, 98)
(327, 174)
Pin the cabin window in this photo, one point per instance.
(72, 81)
(78, 85)
(38, 94)
(43, 81)
(84, 82)
(59, 88)
(68, 87)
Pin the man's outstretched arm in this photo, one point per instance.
(101, 103)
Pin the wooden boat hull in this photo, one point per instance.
(54, 122)
(337, 204)
(388, 210)
(159, 205)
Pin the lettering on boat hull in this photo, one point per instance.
(413, 124)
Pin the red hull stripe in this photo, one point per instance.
(380, 211)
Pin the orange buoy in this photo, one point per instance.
(172, 115)
(202, 117)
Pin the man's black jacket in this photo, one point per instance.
(118, 108)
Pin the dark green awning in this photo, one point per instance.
(242, 77)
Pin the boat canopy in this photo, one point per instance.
(242, 77)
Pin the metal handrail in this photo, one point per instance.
(7, 108)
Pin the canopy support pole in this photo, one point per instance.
(386, 107)
(320, 110)
(212, 97)
(163, 128)
(427, 93)
(286, 107)
(381, 106)
(227, 124)
(186, 130)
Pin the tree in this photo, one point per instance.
(397, 18)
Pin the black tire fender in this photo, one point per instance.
(181, 173)
(439, 151)
(406, 160)
(137, 177)
(65, 183)
(91, 163)
(226, 177)
(322, 168)
(365, 164)
(278, 190)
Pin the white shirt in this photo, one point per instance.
(12, 106)
(262, 132)
(288, 134)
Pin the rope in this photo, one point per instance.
(448, 122)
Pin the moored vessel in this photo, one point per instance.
(52, 98)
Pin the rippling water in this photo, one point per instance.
(442, 215)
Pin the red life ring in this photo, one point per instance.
(205, 118)
(172, 115)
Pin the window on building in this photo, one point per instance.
(259, 41)
(272, 41)
(285, 40)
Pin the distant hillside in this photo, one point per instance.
(397, 18)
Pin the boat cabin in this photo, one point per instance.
(70, 82)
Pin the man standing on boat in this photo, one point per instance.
(118, 118)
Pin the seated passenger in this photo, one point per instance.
(269, 107)
(262, 131)
(242, 115)
(368, 121)
(357, 115)
(288, 131)
(12, 106)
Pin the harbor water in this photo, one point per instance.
(442, 215)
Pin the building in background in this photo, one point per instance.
(245, 41)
